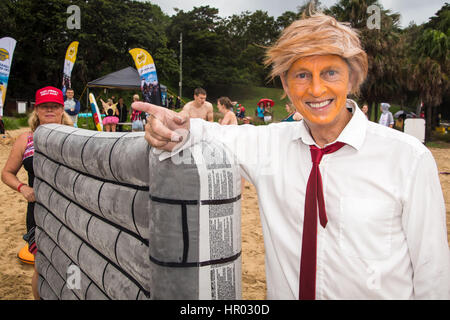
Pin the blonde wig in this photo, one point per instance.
(33, 120)
(319, 35)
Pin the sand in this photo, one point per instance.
(15, 277)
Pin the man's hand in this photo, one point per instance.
(165, 129)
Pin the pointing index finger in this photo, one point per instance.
(145, 106)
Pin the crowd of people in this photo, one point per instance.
(117, 115)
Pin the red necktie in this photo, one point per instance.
(313, 199)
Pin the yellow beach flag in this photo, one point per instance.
(143, 60)
(71, 57)
(7, 46)
(145, 66)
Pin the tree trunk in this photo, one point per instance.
(376, 111)
(434, 118)
(428, 117)
(369, 111)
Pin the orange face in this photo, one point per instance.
(318, 88)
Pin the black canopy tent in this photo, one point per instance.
(124, 79)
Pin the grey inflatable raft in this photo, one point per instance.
(114, 222)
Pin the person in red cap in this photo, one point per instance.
(49, 108)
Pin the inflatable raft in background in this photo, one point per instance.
(114, 222)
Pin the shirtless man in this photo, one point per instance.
(199, 108)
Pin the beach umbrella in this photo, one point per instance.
(266, 102)
(405, 114)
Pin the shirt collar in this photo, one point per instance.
(353, 134)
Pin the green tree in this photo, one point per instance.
(382, 46)
(204, 51)
(430, 64)
(109, 28)
(40, 41)
(249, 34)
(287, 18)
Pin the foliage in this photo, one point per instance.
(12, 123)
(109, 28)
(429, 62)
(439, 140)
(383, 48)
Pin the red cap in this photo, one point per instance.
(49, 94)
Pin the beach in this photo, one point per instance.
(15, 277)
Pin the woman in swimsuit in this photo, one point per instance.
(49, 108)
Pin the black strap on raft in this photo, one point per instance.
(185, 228)
(105, 258)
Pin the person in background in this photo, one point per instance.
(365, 110)
(49, 108)
(247, 120)
(293, 114)
(240, 111)
(178, 103)
(112, 115)
(199, 108)
(226, 108)
(268, 114)
(375, 226)
(72, 106)
(386, 118)
(123, 113)
(136, 121)
(260, 112)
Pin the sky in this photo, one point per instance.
(418, 11)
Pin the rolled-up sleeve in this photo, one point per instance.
(424, 224)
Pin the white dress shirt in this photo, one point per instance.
(386, 236)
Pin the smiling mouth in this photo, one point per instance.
(319, 105)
